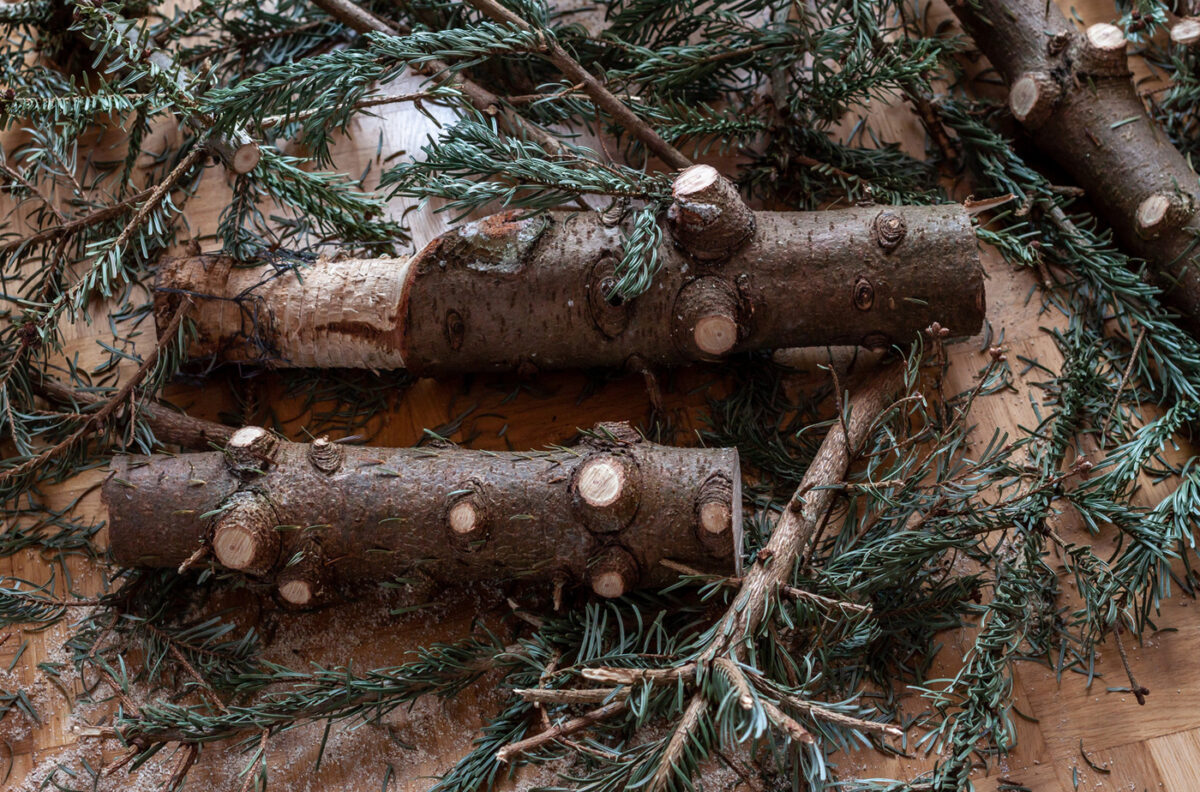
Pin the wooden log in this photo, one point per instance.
(1084, 111)
(605, 513)
(513, 293)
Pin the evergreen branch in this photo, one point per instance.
(603, 98)
(100, 418)
(483, 100)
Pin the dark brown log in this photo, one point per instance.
(605, 513)
(510, 293)
(1074, 93)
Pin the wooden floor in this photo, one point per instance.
(1151, 747)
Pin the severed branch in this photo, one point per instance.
(1074, 95)
(307, 517)
(803, 513)
(526, 293)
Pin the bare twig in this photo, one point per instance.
(565, 729)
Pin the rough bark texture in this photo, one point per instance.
(605, 513)
(1097, 128)
(512, 293)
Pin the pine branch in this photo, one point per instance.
(603, 98)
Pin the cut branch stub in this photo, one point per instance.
(715, 514)
(707, 318)
(244, 536)
(326, 456)
(467, 516)
(607, 489)
(1186, 32)
(708, 217)
(251, 450)
(1162, 212)
(534, 515)
(1103, 51)
(301, 583)
(1033, 97)
(455, 306)
(613, 573)
(237, 152)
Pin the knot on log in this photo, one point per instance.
(1186, 32)
(1164, 212)
(708, 217)
(613, 434)
(610, 315)
(889, 230)
(707, 318)
(1102, 52)
(607, 491)
(714, 514)
(251, 451)
(467, 516)
(325, 456)
(612, 572)
(1033, 97)
(244, 536)
(302, 582)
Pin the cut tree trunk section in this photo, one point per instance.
(308, 517)
(513, 293)
(1074, 94)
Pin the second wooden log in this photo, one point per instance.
(604, 514)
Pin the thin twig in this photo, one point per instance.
(508, 752)
(1137, 345)
(1139, 691)
(601, 96)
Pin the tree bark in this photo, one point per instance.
(1074, 94)
(307, 517)
(511, 293)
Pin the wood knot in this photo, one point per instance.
(714, 514)
(610, 314)
(251, 451)
(707, 317)
(325, 456)
(889, 230)
(608, 434)
(864, 294)
(612, 572)
(244, 536)
(302, 583)
(467, 516)
(1057, 44)
(607, 491)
